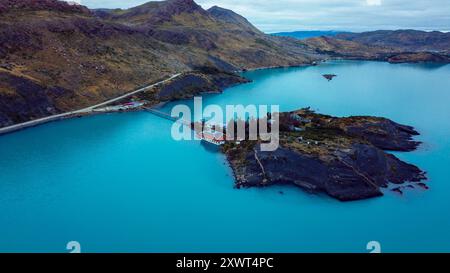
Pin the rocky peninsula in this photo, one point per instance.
(344, 158)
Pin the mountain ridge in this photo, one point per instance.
(158, 12)
(89, 57)
(229, 16)
(35, 5)
(404, 39)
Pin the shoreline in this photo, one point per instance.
(280, 66)
(89, 110)
(77, 113)
(374, 189)
(329, 157)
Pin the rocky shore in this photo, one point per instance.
(419, 57)
(342, 157)
(202, 80)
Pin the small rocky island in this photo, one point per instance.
(329, 77)
(342, 157)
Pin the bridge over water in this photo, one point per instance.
(209, 135)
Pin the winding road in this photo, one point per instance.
(89, 109)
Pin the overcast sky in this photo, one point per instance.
(354, 15)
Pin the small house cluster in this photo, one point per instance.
(122, 107)
(299, 119)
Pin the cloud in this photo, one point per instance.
(353, 15)
(373, 2)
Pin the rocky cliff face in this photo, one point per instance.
(354, 174)
(190, 84)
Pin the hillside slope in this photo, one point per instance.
(217, 35)
(56, 57)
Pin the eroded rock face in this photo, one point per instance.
(197, 82)
(357, 174)
(346, 162)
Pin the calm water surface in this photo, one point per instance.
(120, 183)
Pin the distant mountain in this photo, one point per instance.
(308, 34)
(419, 57)
(406, 40)
(347, 49)
(350, 49)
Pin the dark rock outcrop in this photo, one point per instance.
(329, 77)
(346, 162)
(202, 80)
(353, 175)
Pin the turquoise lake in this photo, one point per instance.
(120, 183)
